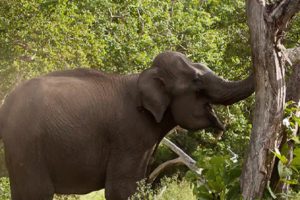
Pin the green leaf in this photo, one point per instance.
(284, 149)
(233, 174)
(234, 193)
(282, 158)
(290, 182)
(296, 119)
(296, 161)
(296, 139)
(284, 171)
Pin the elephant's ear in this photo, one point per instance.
(153, 95)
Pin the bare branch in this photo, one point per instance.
(183, 159)
(162, 167)
(186, 159)
(285, 11)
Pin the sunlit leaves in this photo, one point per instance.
(45, 35)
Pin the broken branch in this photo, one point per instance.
(183, 159)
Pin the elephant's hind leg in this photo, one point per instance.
(29, 178)
(30, 185)
(37, 195)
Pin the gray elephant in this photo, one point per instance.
(77, 131)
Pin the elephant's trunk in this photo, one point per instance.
(228, 92)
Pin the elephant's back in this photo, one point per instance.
(82, 73)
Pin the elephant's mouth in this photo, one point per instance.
(216, 122)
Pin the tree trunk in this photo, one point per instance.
(266, 23)
(292, 94)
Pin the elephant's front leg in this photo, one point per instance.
(124, 170)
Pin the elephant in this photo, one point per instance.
(81, 130)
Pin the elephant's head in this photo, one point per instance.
(187, 89)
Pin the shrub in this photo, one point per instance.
(168, 189)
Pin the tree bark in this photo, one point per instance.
(293, 55)
(266, 23)
(293, 85)
(292, 94)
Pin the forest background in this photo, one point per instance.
(123, 36)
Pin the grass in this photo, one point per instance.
(98, 195)
(170, 189)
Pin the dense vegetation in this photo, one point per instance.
(40, 36)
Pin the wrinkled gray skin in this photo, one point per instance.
(76, 131)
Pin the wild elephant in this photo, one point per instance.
(76, 131)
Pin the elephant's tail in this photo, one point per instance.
(4, 110)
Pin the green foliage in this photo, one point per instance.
(3, 171)
(220, 177)
(293, 37)
(4, 189)
(289, 167)
(173, 189)
(99, 195)
(144, 191)
(45, 35)
(65, 197)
